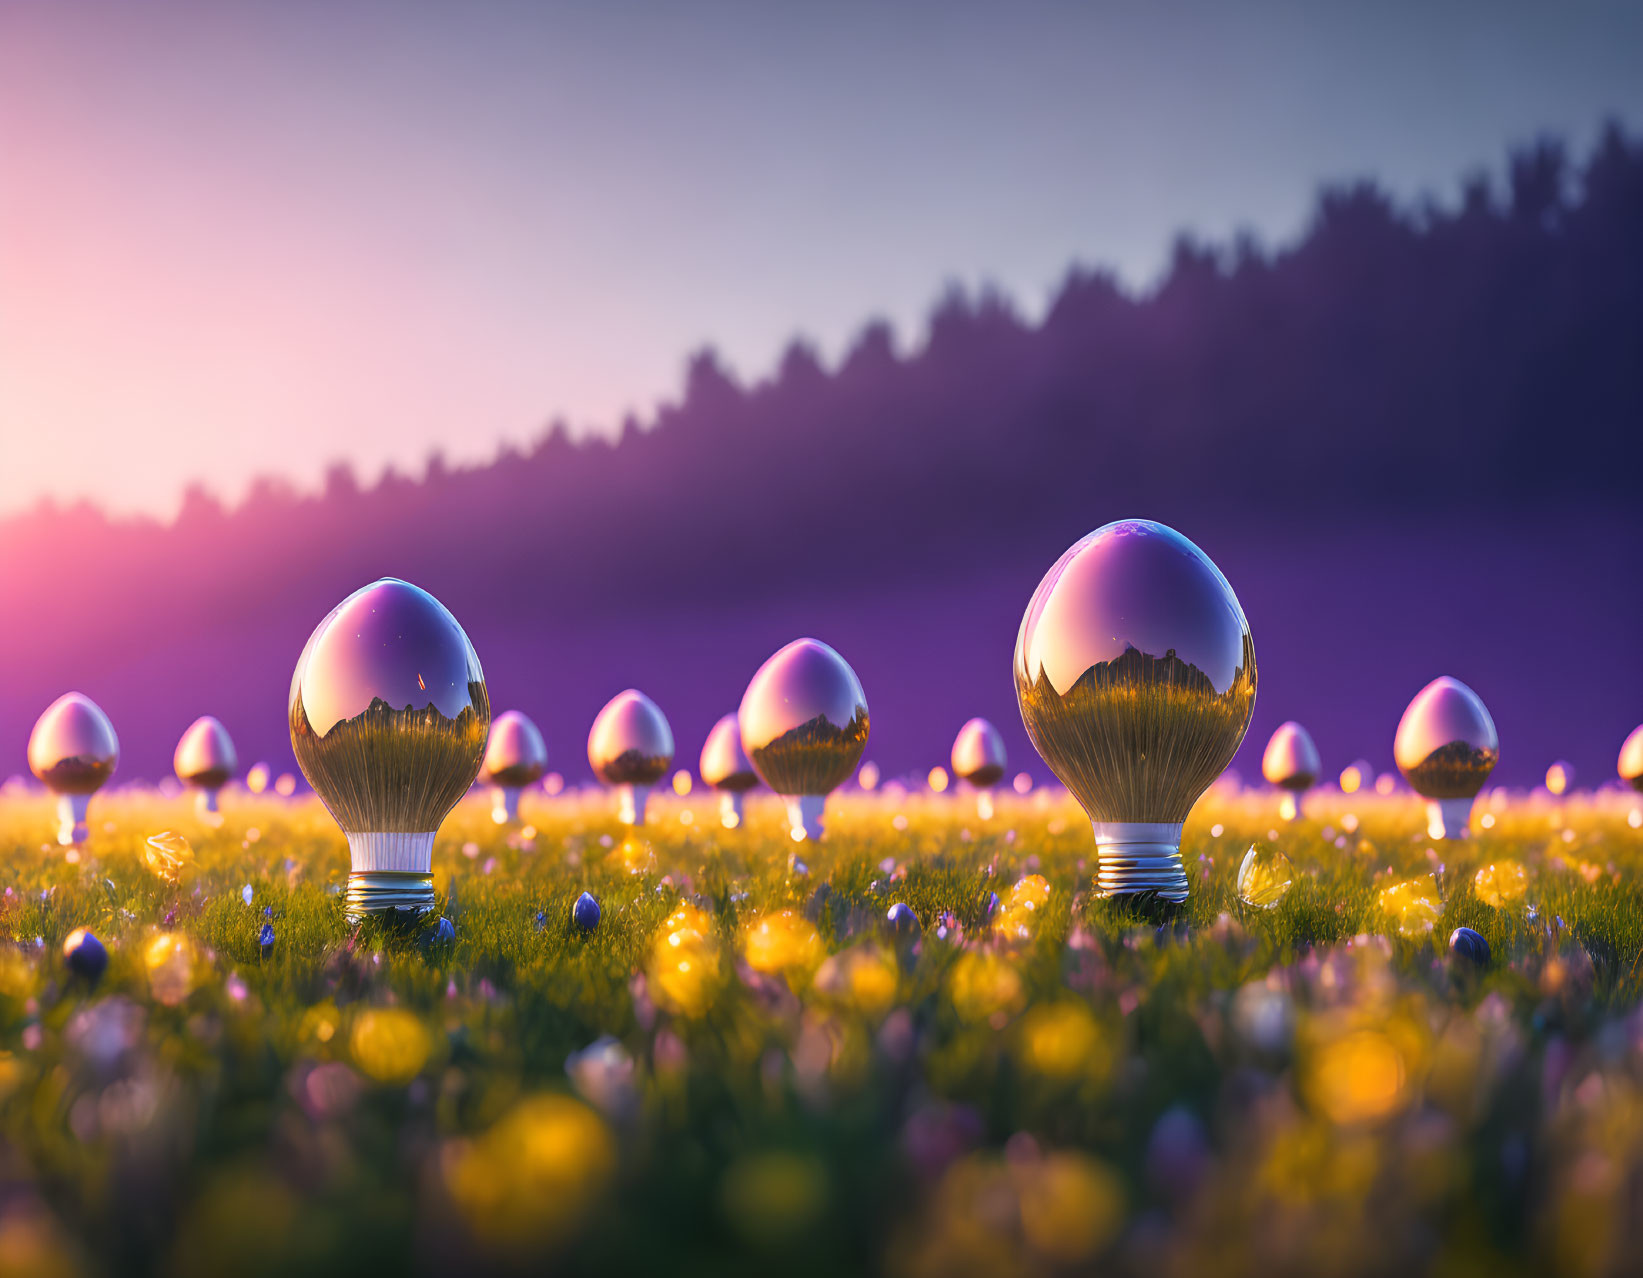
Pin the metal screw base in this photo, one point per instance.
(1140, 858)
(388, 892)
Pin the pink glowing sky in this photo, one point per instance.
(240, 238)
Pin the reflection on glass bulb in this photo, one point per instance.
(804, 725)
(515, 757)
(73, 751)
(389, 715)
(1446, 746)
(1291, 763)
(205, 760)
(1135, 673)
(630, 748)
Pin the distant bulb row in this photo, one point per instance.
(1134, 671)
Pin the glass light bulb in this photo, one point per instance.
(630, 748)
(1135, 674)
(1446, 747)
(73, 751)
(389, 716)
(515, 757)
(205, 759)
(1291, 763)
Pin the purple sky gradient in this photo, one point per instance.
(255, 238)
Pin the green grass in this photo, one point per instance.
(1221, 1090)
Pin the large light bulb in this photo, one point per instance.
(205, 760)
(389, 715)
(978, 757)
(1135, 673)
(724, 765)
(1446, 747)
(804, 725)
(1291, 763)
(515, 757)
(1630, 767)
(73, 750)
(630, 748)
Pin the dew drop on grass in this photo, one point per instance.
(1265, 877)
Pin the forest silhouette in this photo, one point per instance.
(1414, 391)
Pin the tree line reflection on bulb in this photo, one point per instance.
(1134, 672)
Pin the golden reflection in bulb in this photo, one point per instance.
(1135, 672)
(1446, 744)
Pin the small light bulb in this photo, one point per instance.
(515, 757)
(630, 748)
(725, 767)
(389, 714)
(1630, 767)
(73, 751)
(258, 778)
(1135, 673)
(978, 758)
(1291, 763)
(1560, 777)
(1446, 747)
(804, 726)
(205, 760)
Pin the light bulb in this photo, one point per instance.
(1630, 767)
(724, 765)
(205, 760)
(515, 757)
(804, 725)
(630, 747)
(1560, 777)
(389, 713)
(1291, 763)
(978, 757)
(258, 778)
(1446, 747)
(1135, 673)
(73, 750)
(1357, 775)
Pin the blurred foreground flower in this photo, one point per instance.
(772, 1197)
(1264, 877)
(1024, 1216)
(1412, 905)
(533, 1177)
(173, 967)
(781, 941)
(33, 1244)
(1061, 1041)
(683, 973)
(863, 977)
(170, 856)
(1500, 883)
(389, 1044)
(985, 987)
(1356, 1077)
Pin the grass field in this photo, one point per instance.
(741, 1070)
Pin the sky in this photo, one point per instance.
(243, 238)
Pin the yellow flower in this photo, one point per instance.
(683, 974)
(389, 1044)
(534, 1175)
(984, 986)
(1060, 1040)
(1412, 905)
(1071, 1206)
(173, 967)
(779, 941)
(170, 856)
(1357, 1077)
(1500, 883)
(863, 977)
